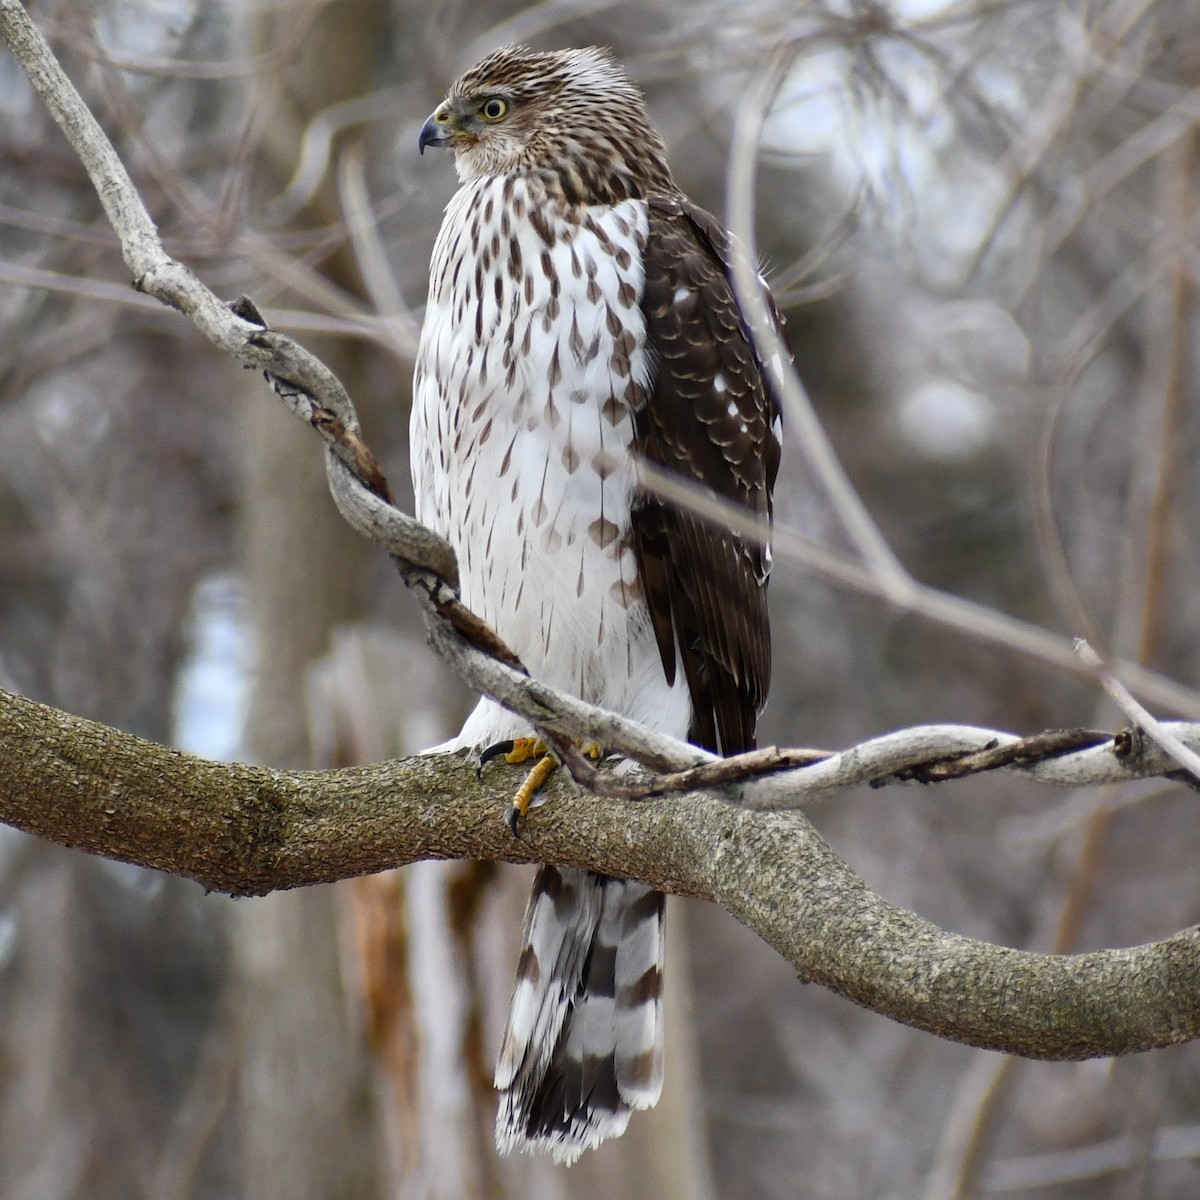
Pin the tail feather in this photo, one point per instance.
(639, 1028)
(583, 1046)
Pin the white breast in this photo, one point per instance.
(531, 360)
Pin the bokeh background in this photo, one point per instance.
(981, 218)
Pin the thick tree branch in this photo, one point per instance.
(248, 830)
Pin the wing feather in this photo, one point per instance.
(709, 417)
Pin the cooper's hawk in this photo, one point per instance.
(581, 320)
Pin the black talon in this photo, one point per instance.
(495, 750)
(513, 819)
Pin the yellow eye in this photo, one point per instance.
(493, 109)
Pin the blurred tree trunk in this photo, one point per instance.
(306, 1089)
(110, 975)
(306, 1114)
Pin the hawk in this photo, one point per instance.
(581, 322)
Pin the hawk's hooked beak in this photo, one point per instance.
(438, 130)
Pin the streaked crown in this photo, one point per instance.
(572, 117)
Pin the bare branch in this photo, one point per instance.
(797, 407)
(967, 617)
(1158, 731)
(935, 753)
(316, 148)
(880, 572)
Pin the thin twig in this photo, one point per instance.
(717, 773)
(784, 778)
(1158, 731)
(1040, 747)
(798, 412)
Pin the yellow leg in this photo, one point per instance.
(522, 750)
(542, 770)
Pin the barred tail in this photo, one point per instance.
(584, 1043)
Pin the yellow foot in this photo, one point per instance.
(520, 750)
(512, 750)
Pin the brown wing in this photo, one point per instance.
(710, 418)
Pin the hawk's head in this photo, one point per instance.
(571, 117)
